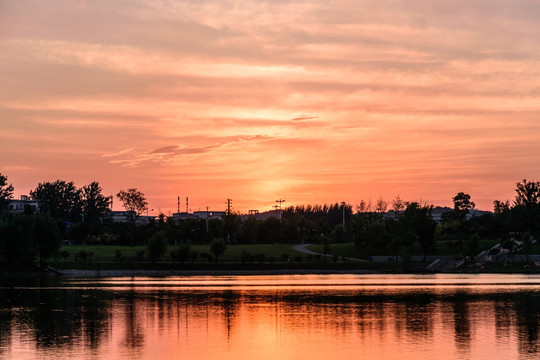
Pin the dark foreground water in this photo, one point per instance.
(272, 317)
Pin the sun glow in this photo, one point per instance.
(307, 101)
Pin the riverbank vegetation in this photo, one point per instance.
(73, 227)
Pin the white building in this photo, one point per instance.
(18, 206)
(123, 216)
(204, 215)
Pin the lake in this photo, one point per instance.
(272, 317)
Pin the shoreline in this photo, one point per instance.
(76, 273)
(81, 273)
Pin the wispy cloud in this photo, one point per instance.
(313, 98)
(304, 118)
(171, 153)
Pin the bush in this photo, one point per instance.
(81, 256)
(206, 256)
(194, 255)
(245, 257)
(260, 258)
(140, 255)
(64, 254)
(92, 240)
(119, 257)
(217, 246)
(473, 243)
(157, 246)
(109, 239)
(184, 252)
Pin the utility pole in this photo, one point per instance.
(229, 203)
(187, 205)
(178, 204)
(343, 206)
(206, 218)
(280, 201)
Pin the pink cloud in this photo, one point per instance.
(308, 100)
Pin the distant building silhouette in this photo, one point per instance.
(123, 216)
(17, 206)
(210, 214)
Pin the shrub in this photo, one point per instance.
(184, 252)
(206, 256)
(157, 246)
(118, 256)
(245, 256)
(64, 254)
(260, 258)
(140, 255)
(217, 246)
(81, 256)
(194, 255)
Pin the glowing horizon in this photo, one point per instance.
(310, 101)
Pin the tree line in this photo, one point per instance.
(80, 215)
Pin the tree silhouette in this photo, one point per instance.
(135, 203)
(6, 192)
(419, 225)
(61, 199)
(462, 204)
(528, 200)
(528, 193)
(94, 204)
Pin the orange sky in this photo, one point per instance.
(309, 101)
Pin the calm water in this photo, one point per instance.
(272, 317)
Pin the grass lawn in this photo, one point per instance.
(101, 253)
(274, 259)
(444, 249)
(350, 250)
(107, 253)
(233, 253)
(346, 249)
(276, 256)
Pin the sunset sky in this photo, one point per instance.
(309, 101)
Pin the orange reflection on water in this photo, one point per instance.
(285, 317)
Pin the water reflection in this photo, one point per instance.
(140, 319)
(462, 322)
